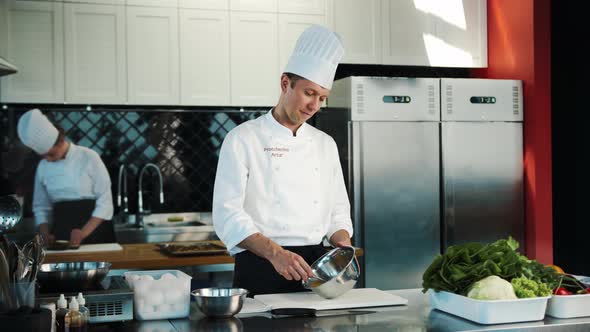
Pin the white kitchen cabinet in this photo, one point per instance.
(204, 57)
(152, 56)
(290, 28)
(96, 70)
(435, 33)
(97, 2)
(3, 28)
(460, 38)
(312, 7)
(405, 30)
(254, 58)
(204, 4)
(359, 25)
(258, 6)
(153, 3)
(33, 34)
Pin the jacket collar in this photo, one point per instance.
(278, 130)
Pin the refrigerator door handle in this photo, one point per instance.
(355, 180)
(448, 228)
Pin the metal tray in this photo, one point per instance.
(192, 249)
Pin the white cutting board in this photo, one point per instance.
(86, 248)
(354, 298)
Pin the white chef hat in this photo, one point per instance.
(36, 131)
(316, 55)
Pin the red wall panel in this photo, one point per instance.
(519, 41)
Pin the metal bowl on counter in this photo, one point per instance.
(335, 273)
(72, 276)
(220, 302)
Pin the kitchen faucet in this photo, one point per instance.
(140, 211)
(122, 198)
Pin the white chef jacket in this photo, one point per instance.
(288, 188)
(80, 175)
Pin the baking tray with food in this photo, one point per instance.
(192, 249)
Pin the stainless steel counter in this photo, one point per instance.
(417, 316)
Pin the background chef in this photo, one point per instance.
(72, 198)
(279, 187)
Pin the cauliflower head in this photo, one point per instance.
(492, 288)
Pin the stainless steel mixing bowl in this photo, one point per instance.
(336, 272)
(72, 276)
(220, 302)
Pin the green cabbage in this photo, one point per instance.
(492, 288)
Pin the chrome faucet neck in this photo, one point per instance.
(140, 210)
(122, 200)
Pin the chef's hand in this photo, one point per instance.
(76, 237)
(291, 266)
(341, 239)
(49, 239)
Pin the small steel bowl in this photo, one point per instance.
(220, 302)
(336, 272)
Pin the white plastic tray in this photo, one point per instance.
(569, 306)
(490, 312)
(160, 298)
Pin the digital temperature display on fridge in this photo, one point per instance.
(397, 99)
(482, 100)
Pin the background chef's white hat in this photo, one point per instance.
(316, 55)
(36, 131)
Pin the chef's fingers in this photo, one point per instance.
(295, 273)
(300, 270)
(305, 269)
(286, 274)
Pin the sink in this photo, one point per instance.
(185, 226)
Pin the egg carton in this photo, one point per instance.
(159, 294)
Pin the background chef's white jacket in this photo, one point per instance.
(81, 175)
(289, 188)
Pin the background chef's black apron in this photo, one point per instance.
(258, 276)
(75, 214)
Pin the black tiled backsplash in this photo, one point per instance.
(183, 143)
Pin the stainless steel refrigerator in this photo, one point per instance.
(428, 163)
(388, 134)
(482, 160)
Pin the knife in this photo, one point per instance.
(310, 312)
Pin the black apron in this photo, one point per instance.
(75, 214)
(258, 276)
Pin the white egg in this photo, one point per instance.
(140, 302)
(147, 277)
(139, 305)
(173, 296)
(141, 287)
(147, 309)
(164, 308)
(154, 298)
(168, 276)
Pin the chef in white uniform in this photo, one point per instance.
(72, 198)
(279, 188)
